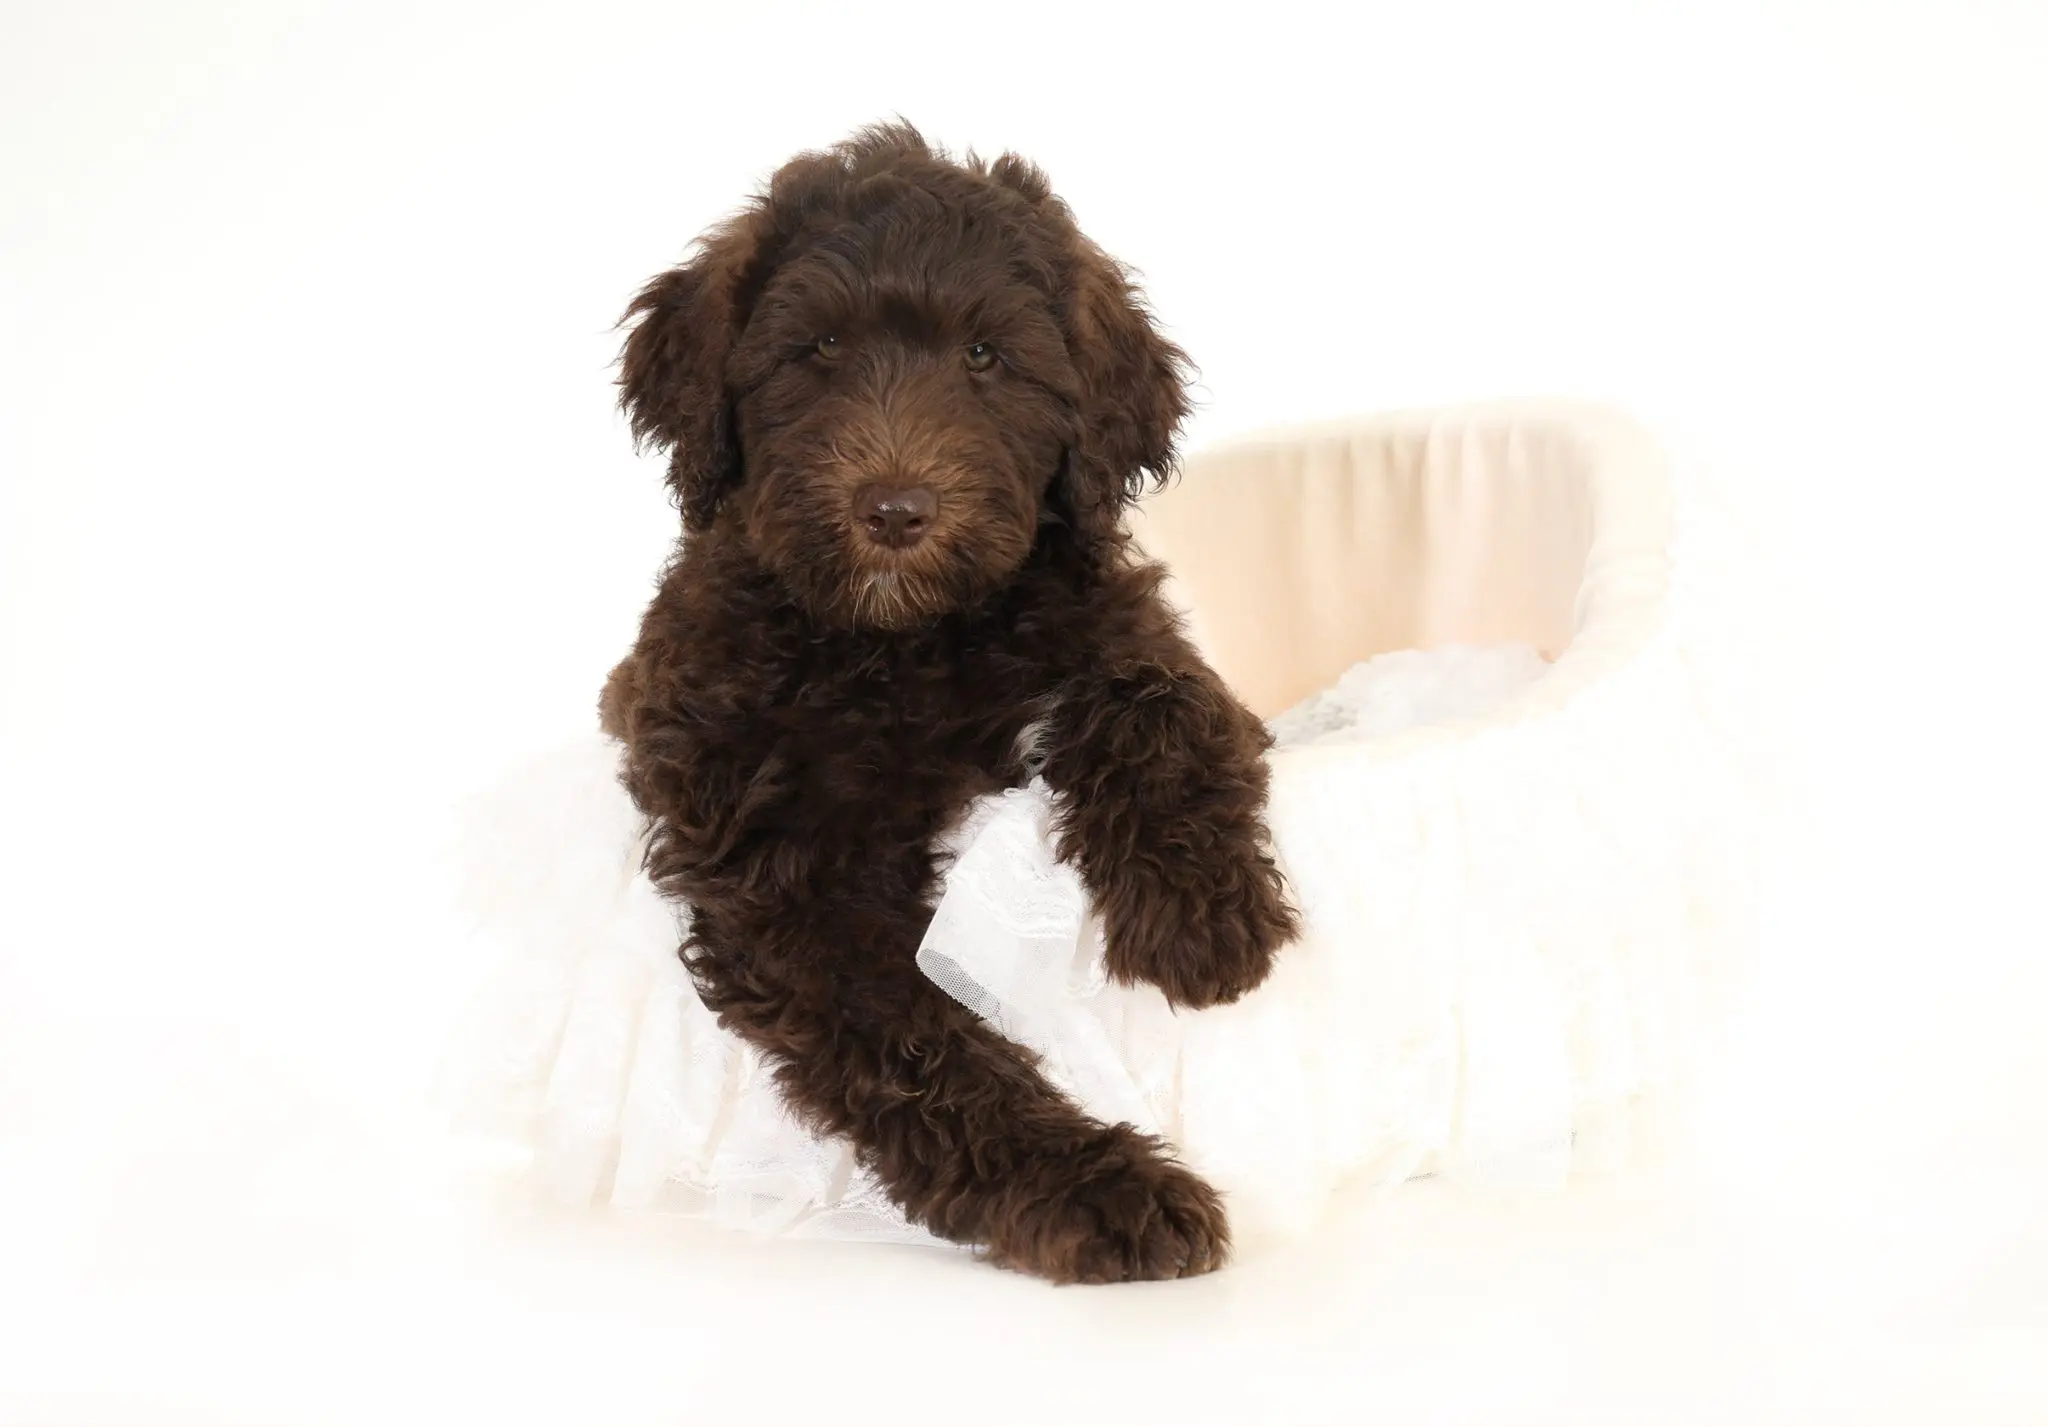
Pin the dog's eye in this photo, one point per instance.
(828, 347)
(980, 357)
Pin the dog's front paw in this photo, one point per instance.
(1120, 1212)
(1204, 939)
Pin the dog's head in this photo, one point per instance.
(892, 374)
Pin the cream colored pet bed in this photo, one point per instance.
(1513, 832)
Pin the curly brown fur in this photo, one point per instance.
(808, 708)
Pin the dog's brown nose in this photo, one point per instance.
(896, 516)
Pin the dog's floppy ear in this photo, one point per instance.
(672, 371)
(1131, 396)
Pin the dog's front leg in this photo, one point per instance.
(957, 1123)
(1162, 777)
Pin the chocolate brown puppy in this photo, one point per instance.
(906, 404)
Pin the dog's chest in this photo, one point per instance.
(930, 725)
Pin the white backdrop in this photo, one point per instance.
(314, 511)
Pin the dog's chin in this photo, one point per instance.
(890, 594)
(891, 599)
